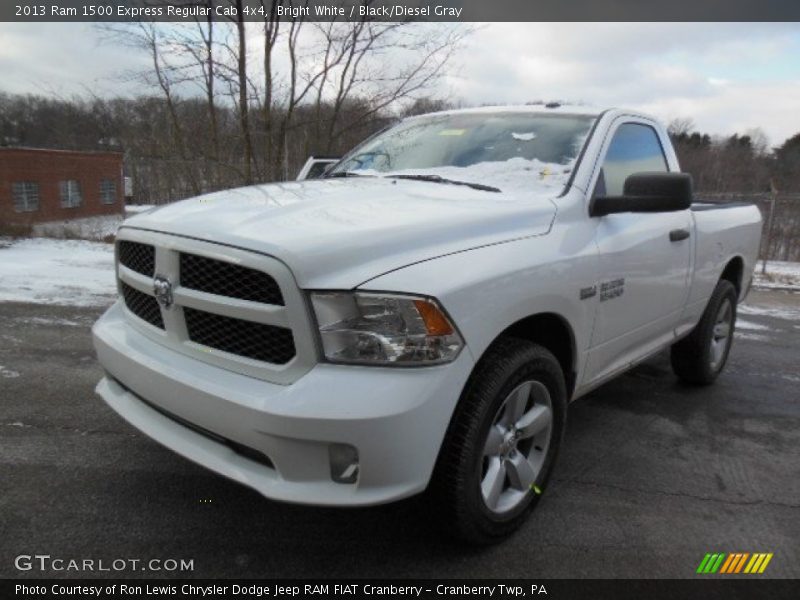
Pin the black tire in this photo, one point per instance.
(456, 481)
(693, 357)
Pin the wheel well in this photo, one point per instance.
(733, 272)
(552, 332)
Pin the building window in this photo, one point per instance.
(70, 193)
(108, 191)
(26, 196)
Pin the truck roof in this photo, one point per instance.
(548, 108)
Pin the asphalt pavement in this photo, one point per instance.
(652, 476)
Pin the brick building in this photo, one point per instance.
(38, 185)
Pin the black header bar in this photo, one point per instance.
(400, 10)
(708, 588)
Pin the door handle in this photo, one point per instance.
(676, 235)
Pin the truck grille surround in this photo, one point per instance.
(221, 305)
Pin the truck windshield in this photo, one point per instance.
(511, 151)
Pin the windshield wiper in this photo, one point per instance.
(440, 179)
(346, 174)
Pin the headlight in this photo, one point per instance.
(384, 329)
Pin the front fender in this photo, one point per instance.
(489, 289)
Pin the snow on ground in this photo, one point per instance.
(782, 306)
(780, 275)
(755, 337)
(102, 228)
(742, 324)
(131, 209)
(49, 321)
(91, 228)
(7, 373)
(779, 312)
(50, 271)
(780, 267)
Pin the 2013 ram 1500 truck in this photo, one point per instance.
(420, 316)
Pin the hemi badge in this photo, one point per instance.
(588, 292)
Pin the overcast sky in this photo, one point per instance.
(727, 77)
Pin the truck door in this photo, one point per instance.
(644, 258)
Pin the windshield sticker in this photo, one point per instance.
(452, 132)
(523, 137)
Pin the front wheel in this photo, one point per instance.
(499, 450)
(700, 357)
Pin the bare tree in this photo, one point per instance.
(317, 87)
(681, 126)
(166, 76)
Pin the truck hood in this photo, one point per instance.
(339, 233)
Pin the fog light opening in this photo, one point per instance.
(344, 463)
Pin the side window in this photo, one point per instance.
(635, 148)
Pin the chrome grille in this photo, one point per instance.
(142, 305)
(257, 341)
(226, 279)
(138, 257)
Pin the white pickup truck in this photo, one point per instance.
(420, 316)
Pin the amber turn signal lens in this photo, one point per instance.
(435, 322)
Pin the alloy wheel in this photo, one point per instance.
(516, 446)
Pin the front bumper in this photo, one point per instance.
(395, 418)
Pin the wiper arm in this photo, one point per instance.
(440, 179)
(346, 174)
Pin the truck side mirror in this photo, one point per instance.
(648, 192)
(315, 167)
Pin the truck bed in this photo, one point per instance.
(713, 205)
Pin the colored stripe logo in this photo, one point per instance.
(735, 562)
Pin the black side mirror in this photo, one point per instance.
(648, 192)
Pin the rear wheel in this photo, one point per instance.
(700, 357)
(502, 442)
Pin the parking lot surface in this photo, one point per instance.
(652, 476)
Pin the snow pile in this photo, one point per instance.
(780, 275)
(101, 228)
(49, 271)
